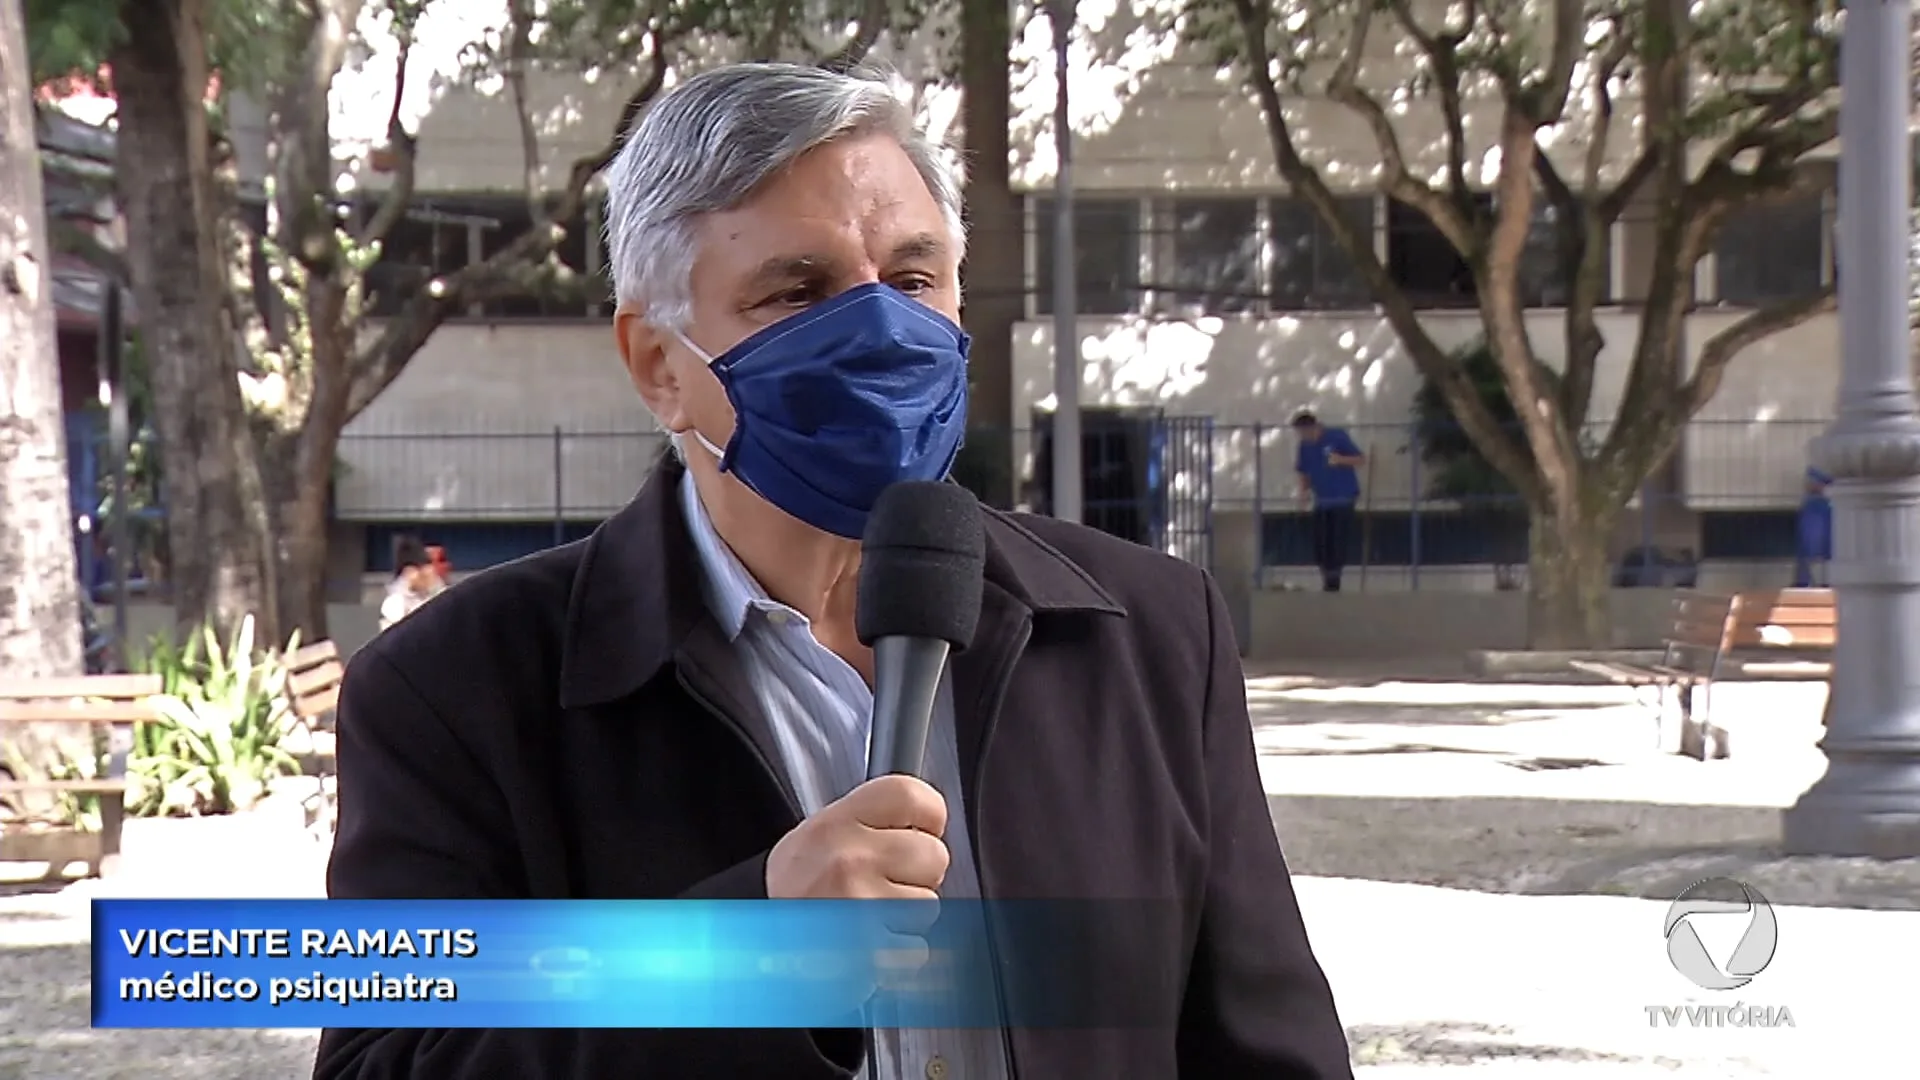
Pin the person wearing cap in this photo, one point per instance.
(415, 581)
(1327, 465)
(1813, 533)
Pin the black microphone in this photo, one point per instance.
(921, 563)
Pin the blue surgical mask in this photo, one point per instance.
(836, 403)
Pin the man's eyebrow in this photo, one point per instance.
(920, 246)
(782, 269)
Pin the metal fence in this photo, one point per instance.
(1732, 484)
(1729, 494)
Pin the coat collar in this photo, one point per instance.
(637, 599)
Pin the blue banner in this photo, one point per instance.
(521, 964)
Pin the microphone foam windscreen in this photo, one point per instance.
(921, 564)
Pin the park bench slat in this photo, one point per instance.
(97, 786)
(79, 712)
(121, 702)
(308, 656)
(83, 686)
(304, 683)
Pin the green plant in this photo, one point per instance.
(1458, 471)
(224, 716)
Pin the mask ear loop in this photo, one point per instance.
(679, 437)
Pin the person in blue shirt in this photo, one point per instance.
(1326, 463)
(1814, 533)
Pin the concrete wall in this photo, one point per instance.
(351, 625)
(1384, 626)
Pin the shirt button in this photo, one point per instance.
(777, 617)
(937, 1069)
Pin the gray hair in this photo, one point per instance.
(710, 143)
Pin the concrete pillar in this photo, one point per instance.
(1236, 563)
(1868, 803)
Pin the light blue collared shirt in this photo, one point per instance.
(821, 712)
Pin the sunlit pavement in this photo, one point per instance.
(1502, 788)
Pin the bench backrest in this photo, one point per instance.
(91, 699)
(115, 702)
(1701, 628)
(313, 679)
(1784, 619)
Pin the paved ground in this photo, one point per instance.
(1543, 800)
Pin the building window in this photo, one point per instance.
(570, 298)
(441, 235)
(1207, 253)
(426, 243)
(1423, 261)
(1767, 254)
(1546, 272)
(1310, 272)
(1106, 265)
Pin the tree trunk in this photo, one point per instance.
(995, 271)
(1569, 581)
(39, 587)
(210, 479)
(303, 465)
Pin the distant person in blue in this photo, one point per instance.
(1327, 462)
(1814, 534)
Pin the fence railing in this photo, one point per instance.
(1730, 491)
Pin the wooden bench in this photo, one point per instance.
(1775, 621)
(1716, 637)
(1694, 653)
(114, 702)
(313, 682)
(314, 673)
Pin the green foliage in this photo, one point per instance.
(591, 35)
(1458, 470)
(70, 37)
(74, 38)
(224, 719)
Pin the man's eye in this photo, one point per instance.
(914, 285)
(798, 296)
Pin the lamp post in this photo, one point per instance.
(1066, 331)
(1868, 802)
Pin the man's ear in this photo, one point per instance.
(643, 348)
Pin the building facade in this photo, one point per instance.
(1205, 292)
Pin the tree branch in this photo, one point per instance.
(1396, 179)
(305, 169)
(403, 146)
(1445, 371)
(519, 50)
(1605, 66)
(1441, 53)
(1556, 449)
(1720, 349)
(382, 358)
(1546, 101)
(766, 45)
(867, 30)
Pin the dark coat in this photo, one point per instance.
(570, 725)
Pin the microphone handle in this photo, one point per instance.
(906, 680)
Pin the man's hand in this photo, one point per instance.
(882, 841)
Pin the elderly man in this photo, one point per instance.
(678, 706)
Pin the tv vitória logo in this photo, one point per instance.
(1721, 896)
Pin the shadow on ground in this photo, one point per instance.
(45, 1032)
(1462, 1043)
(1573, 847)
